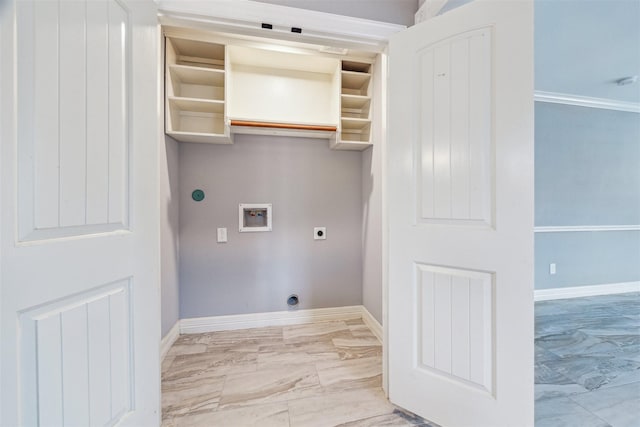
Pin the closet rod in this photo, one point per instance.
(282, 125)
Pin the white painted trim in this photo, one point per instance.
(586, 101)
(259, 320)
(428, 10)
(586, 291)
(572, 228)
(372, 323)
(246, 17)
(169, 339)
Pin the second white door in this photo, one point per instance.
(460, 185)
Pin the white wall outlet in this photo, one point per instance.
(552, 268)
(222, 235)
(319, 233)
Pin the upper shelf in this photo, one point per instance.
(188, 74)
(197, 105)
(281, 87)
(355, 83)
(197, 53)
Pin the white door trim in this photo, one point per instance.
(169, 339)
(258, 320)
(586, 291)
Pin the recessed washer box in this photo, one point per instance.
(254, 217)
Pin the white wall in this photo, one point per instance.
(169, 217)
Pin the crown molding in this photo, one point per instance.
(574, 228)
(586, 101)
(245, 17)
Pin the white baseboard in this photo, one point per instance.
(259, 320)
(586, 291)
(169, 339)
(372, 323)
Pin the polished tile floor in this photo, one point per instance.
(321, 374)
(329, 374)
(588, 362)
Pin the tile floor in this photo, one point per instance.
(329, 374)
(322, 374)
(588, 361)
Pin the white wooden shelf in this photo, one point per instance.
(214, 91)
(355, 83)
(197, 75)
(195, 91)
(350, 124)
(355, 107)
(197, 105)
(202, 138)
(196, 82)
(345, 144)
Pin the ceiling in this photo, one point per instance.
(394, 11)
(583, 46)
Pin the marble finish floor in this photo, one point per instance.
(587, 369)
(321, 374)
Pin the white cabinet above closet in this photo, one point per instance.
(278, 88)
(195, 91)
(216, 90)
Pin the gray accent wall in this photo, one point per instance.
(587, 174)
(395, 11)
(372, 251)
(308, 186)
(169, 232)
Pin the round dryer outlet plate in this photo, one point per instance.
(197, 195)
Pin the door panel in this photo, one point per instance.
(460, 180)
(80, 218)
(455, 325)
(73, 124)
(454, 129)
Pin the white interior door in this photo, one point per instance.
(80, 247)
(460, 192)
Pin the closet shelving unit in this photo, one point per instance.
(195, 91)
(217, 89)
(355, 107)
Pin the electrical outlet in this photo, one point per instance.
(222, 235)
(552, 268)
(319, 233)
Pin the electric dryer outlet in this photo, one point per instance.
(319, 233)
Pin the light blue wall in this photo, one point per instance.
(587, 173)
(583, 46)
(587, 166)
(587, 258)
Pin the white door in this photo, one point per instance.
(79, 205)
(460, 192)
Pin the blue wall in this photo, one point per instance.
(587, 173)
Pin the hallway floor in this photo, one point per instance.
(321, 374)
(588, 361)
